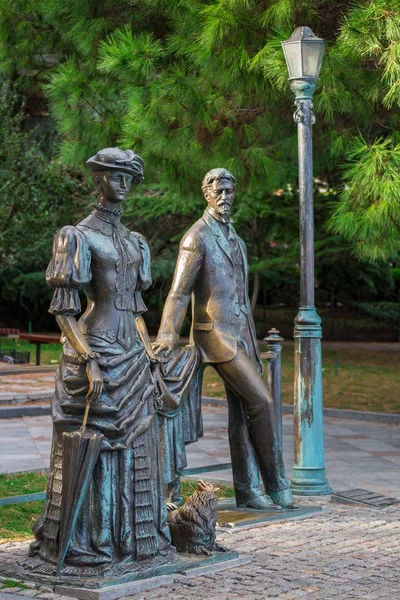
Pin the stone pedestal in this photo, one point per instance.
(190, 567)
(187, 566)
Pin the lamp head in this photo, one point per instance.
(303, 54)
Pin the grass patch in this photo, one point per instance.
(11, 583)
(49, 353)
(16, 520)
(353, 379)
(22, 483)
(188, 486)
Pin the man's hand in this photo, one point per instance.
(95, 378)
(163, 348)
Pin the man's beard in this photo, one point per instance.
(223, 208)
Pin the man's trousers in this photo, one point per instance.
(253, 435)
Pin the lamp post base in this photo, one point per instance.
(323, 490)
(309, 478)
(310, 482)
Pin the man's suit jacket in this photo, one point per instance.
(205, 272)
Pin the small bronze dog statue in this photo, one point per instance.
(193, 525)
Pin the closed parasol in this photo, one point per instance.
(81, 450)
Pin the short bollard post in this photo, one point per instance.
(274, 341)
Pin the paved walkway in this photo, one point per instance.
(357, 453)
(22, 383)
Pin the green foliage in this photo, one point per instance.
(341, 273)
(387, 313)
(179, 81)
(34, 191)
(369, 210)
(368, 213)
(191, 85)
(196, 84)
(38, 196)
(396, 275)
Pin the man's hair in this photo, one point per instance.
(216, 175)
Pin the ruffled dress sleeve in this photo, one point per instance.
(144, 280)
(68, 271)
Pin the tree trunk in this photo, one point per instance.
(398, 325)
(332, 314)
(265, 326)
(256, 289)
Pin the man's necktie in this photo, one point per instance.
(231, 232)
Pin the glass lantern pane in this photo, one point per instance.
(321, 56)
(293, 59)
(311, 53)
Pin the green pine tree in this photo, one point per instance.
(195, 84)
(38, 197)
(192, 84)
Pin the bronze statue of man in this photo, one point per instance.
(212, 269)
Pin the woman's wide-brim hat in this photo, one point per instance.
(117, 160)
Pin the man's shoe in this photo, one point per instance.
(284, 499)
(260, 503)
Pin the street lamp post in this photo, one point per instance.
(303, 53)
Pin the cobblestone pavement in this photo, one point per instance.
(344, 554)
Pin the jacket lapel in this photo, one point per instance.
(218, 233)
(245, 265)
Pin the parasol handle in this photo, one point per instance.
(85, 416)
(144, 338)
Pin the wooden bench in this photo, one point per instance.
(39, 339)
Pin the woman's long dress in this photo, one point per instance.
(121, 527)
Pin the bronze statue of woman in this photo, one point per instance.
(122, 521)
